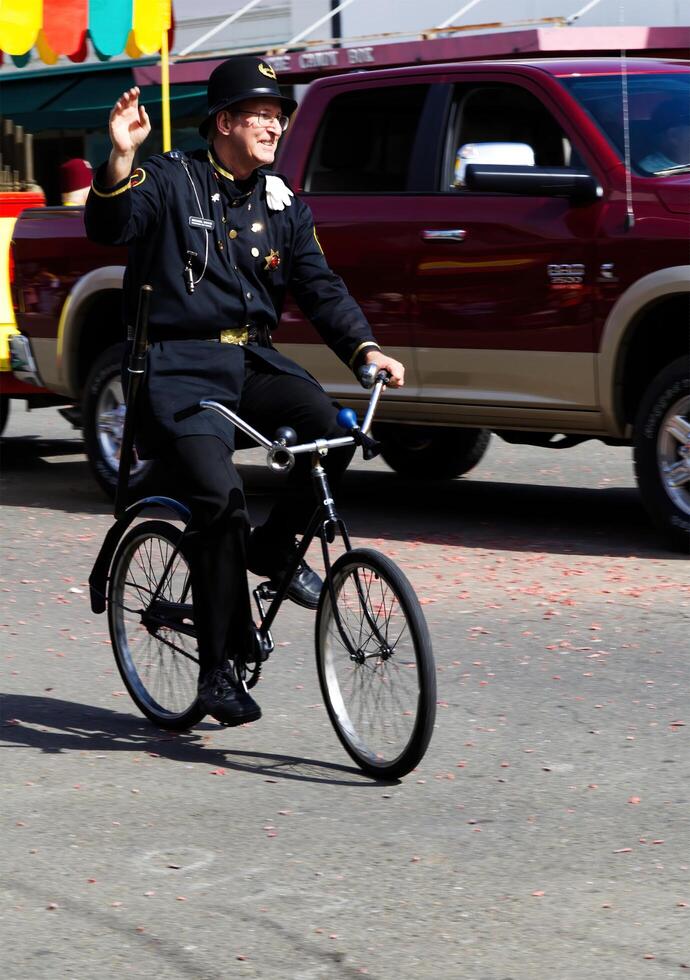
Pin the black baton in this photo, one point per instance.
(135, 370)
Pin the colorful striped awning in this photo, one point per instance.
(61, 27)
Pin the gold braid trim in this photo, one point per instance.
(367, 343)
(214, 163)
(120, 190)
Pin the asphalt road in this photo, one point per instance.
(545, 835)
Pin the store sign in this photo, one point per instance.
(335, 58)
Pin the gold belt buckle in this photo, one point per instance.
(234, 335)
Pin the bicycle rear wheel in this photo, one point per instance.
(375, 664)
(152, 627)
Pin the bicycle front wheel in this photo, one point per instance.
(375, 664)
(152, 627)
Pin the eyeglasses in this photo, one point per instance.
(265, 119)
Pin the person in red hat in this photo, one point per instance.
(75, 181)
(221, 239)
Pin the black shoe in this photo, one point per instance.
(263, 558)
(226, 700)
(305, 587)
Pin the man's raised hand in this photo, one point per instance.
(129, 123)
(129, 126)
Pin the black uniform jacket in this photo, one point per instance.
(186, 210)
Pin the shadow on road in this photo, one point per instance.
(86, 728)
(44, 473)
(499, 516)
(467, 512)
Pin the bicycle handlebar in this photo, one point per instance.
(280, 455)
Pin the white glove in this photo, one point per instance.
(278, 194)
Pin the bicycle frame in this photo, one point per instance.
(281, 457)
(324, 523)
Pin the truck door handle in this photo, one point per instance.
(444, 235)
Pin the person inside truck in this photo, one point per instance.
(669, 128)
(221, 240)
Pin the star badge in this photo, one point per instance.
(272, 261)
(215, 197)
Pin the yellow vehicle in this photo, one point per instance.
(11, 204)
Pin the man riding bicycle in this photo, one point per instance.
(221, 241)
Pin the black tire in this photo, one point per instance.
(159, 665)
(431, 452)
(662, 452)
(4, 412)
(396, 672)
(103, 418)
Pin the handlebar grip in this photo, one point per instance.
(186, 413)
(366, 375)
(369, 374)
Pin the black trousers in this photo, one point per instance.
(212, 487)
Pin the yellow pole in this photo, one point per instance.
(165, 91)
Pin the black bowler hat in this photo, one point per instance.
(239, 78)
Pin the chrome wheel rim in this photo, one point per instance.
(673, 453)
(375, 697)
(110, 424)
(161, 663)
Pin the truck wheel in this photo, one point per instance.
(431, 453)
(662, 452)
(103, 414)
(4, 412)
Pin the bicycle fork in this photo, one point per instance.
(326, 523)
(332, 523)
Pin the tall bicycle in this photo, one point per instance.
(373, 650)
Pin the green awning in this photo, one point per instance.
(82, 100)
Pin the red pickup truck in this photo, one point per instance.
(516, 232)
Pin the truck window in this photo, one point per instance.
(658, 113)
(505, 114)
(365, 141)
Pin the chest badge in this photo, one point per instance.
(257, 227)
(272, 260)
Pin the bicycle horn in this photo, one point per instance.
(280, 458)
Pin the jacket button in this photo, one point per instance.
(232, 233)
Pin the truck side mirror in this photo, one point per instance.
(577, 185)
(506, 154)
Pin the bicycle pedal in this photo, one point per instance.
(260, 655)
(265, 591)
